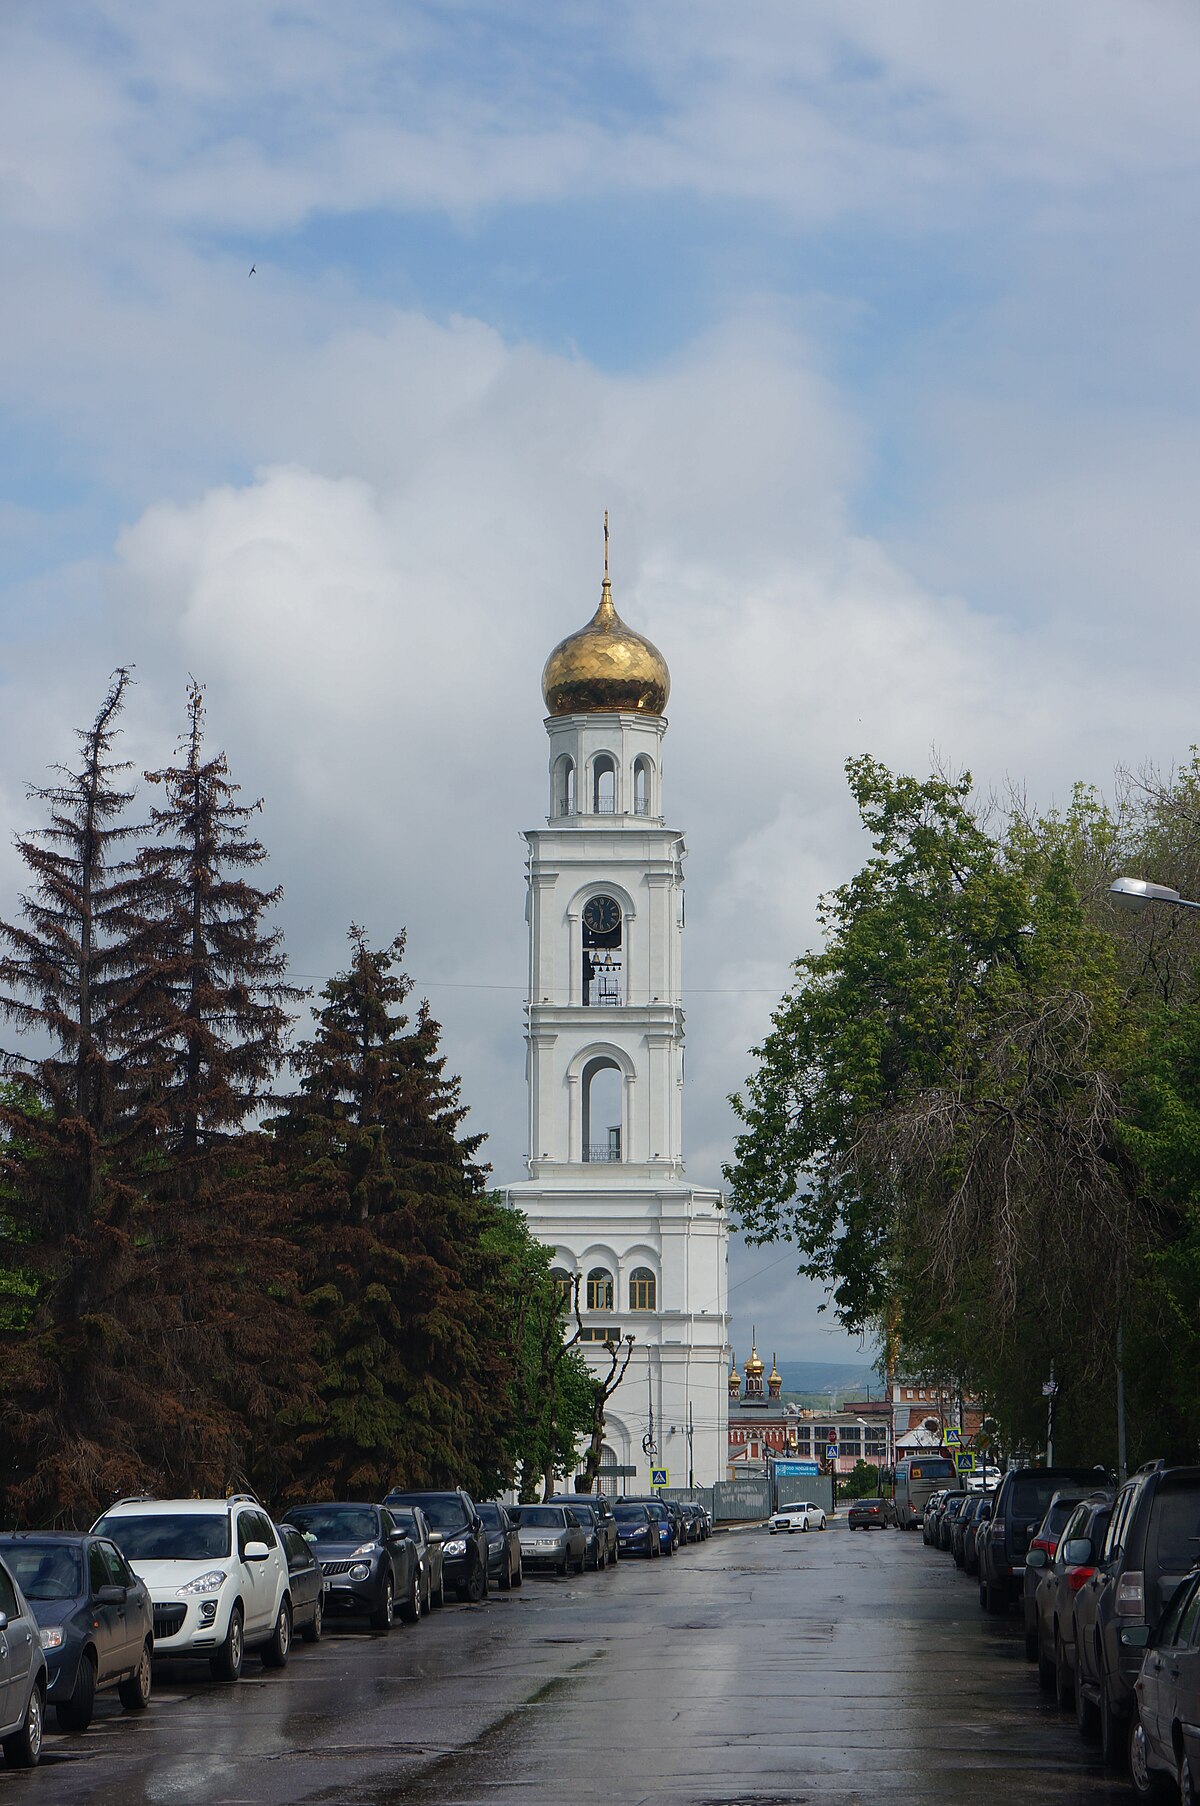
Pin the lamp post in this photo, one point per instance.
(1135, 895)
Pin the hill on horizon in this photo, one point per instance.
(846, 1378)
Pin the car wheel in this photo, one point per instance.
(316, 1624)
(476, 1587)
(1064, 1681)
(821, 1525)
(428, 1592)
(1087, 1718)
(1187, 1785)
(279, 1647)
(804, 1527)
(439, 1598)
(1114, 1732)
(1145, 1781)
(381, 1618)
(1047, 1667)
(410, 1611)
(564, 1567)
(227, 1663)
(1031, 1644)
(75, 1714)
(23, 1749)
(518, 1573)
(134, 1693)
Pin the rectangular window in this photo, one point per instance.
(601, 1335)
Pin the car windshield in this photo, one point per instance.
(45, 1570)
(630, 1514)
(443, 1513)
(490, 1514)
(168, 1535)
(540, 1517)
(336, 1523)
(1176, 1541)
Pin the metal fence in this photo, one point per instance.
(741, 1501)
(790, 1489)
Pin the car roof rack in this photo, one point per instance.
(133, 1498)
(243, 1498)
(1152, 1467)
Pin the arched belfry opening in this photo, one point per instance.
(602, 1085)
(602, 949)
(564, 786)
(642, 771)
(604, 784)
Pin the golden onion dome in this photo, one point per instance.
(606, 668)
(775, 1378)
(754, 1365)
(735, 1378)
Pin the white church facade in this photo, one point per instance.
(606, 1189)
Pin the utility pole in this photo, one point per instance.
(691, 1449)
(1049, 1391)
(1122, 1457)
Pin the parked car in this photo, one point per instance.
(504, 1546)
(637, 1530)
(454, 1521)
(217, 1576)
(929, 1517)
(412, 1519)
(868, 1514)
(94, 1617)
(1017, 1509)
(962, 1529)
(371, 1566)
(662, 1517)
(1061, 1576)
(954, 1504)
(599, 1529)
(978, 1520)
(306, 1583)
(23, 1696)
(1164, 1738)
(1044, 1541)
(551, 1537)
(700, 1519)
(802, 1516)
(1153, 1541)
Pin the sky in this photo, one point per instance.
(873, 326)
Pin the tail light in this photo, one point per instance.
(1077, 1576)
(1131, 1595)
(1044, 1542)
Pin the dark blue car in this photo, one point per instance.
(637, 1531)
(95, 1618)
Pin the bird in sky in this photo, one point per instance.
(253, 267)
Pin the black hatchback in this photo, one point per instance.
(370, 1566)
(456, 1524)
(95, 1616)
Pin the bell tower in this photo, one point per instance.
(605, 1066)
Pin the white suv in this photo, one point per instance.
(217, 1574)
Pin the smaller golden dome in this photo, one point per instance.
(754, 1365)
(735, 1381)
(606, 669)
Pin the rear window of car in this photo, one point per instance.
(1174, 1541)
(445, 1513)
(540, 1517)
(931, 1469)
(1031, 1494)
(168, 1535)
(336, 1523)
(46, 1570)
(1056, 1518)
(490, 1515)
(587, 1514)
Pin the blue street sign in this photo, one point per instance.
(797, 1470)
(659, 1476)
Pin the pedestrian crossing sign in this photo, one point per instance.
(660, 1476)
(952, 1437)
(964, 1461)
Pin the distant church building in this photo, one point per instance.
(606, 1188)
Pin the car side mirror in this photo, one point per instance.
(477, 1525)
(111, 1595)
(1077, 1553)
(1036, 1558)
(1136, 1637)
(3, 1621)
(435, 1536)
(256, 1552)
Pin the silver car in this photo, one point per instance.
(551, 1537)
(22, 1677)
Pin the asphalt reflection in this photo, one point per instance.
(749, 1671)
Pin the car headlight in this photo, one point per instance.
(457, 1547)
(361, 1570)
(52, 1636)
(365, 1549)
(212, 1582)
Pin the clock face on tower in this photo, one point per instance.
(602, 915)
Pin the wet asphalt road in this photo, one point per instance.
(748, 1671)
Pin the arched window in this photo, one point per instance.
(564, 786)
(604, 785)
(566, 1286)
(602, 1088)
(599, 1290)
(643, 1290)
(641, 786)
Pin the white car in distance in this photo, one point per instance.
(801, 1516)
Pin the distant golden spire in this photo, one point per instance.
(606, 545)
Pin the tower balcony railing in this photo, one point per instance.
(605, 805)
(601, 1150)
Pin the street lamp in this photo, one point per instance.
(1136, 894)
